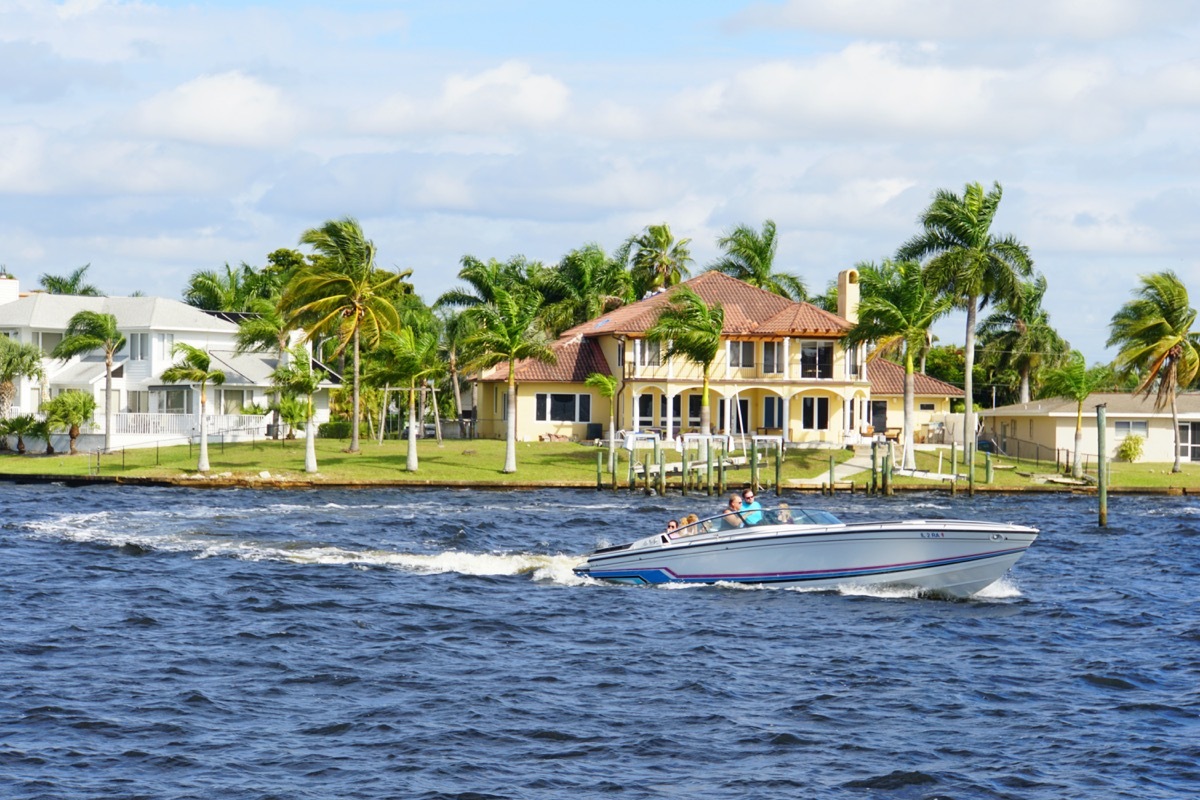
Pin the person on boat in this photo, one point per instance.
(672, 530)
(688, 527)
(751, 509)
(732, 516)
(783, 515)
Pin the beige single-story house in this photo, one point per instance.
(1050, 424)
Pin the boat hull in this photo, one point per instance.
(955, 558)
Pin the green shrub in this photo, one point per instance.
(334, 429)
(1131, 449)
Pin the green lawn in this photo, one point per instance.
(456, 462)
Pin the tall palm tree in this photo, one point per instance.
(483, 279)
(750, 257)
(584, 285)
(71, 410)
(1075, 381)
(660, 261)
(196, 367)
(896, 311)
(1155, 337)
(266, 329)
(692, 329)
(93, 330)
(1019, 336)
(969, 263)
(72, 283)
(17, 360)
(344, 292)
(410, 356)
(507, 330)
(454, 330)
(606, 385)
(298, 379)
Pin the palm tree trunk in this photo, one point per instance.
(412, 427)
(910, 381)
(383, 412)
(437, 420)
(108, 412)
(968, 379)
(510, 437)
(202, 466)
(462, 424)
(1024, 392)
(705, 409)
(310, 445)
(1077, 465)
(354, 400)
(1175, 422)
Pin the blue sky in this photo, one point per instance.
(154, 139)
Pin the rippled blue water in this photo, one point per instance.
(165, 643)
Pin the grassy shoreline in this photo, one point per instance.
(477, 464)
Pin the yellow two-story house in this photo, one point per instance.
(783, 371)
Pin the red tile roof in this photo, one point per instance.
(749, 311)
(887, 378)
(577, 358)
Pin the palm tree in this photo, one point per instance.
(454, 331)
(71, 410)
(233, 289)
(266, 329)
(69, 284)
(412, 357)
(196, 367)
(1075, 381)
(659, 260)
(1155, 338)
(506, 330)
(343, 291)
(1019, 336)
(484, 279)
(969, 263)
(693, 330)
(93, 330)
(298, 379)
(17, 360)
(896, 311)
(750, 257)
(584, 285)
(21, 426)
(606, 385)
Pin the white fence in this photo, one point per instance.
(179, 424)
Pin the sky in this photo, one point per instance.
(154, 139)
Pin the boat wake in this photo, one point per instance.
(88, 529)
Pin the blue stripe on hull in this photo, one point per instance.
(666, 575)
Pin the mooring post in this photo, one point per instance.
(874, 467)
(708, 468)
(954, 459)
(662, 472)
(887, 476)
(754, 464)
(721, 472)
(987, 468)
(630, 483)
(612, 463)
(779, 470)
(1102, 471)
(646, 471)
(831, 474)
(599, 471)
(971, 469)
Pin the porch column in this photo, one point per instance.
(670, 411)
(636, 413)
(787, 417)
(787, 362)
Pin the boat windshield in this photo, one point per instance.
(769, 516)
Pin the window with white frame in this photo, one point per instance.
(553, 407)
(177, 401)
(852, 366)
(773, 412)
(676, 407)
(814, 413)
(137, 402)
(233, 400)
(741, 354)
(646, 409)
(48, 340)
(772, 358)
(138, 346)
(816, 360)
(1132, 427)
(649, 354)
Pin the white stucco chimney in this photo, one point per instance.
(10, 288)
(848, 295)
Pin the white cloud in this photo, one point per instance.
(953, 19)
(229, 109)
(506, 98)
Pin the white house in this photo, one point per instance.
(1050, 423)
(147, 410)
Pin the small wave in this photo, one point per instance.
(883, 591)
(1004, 589)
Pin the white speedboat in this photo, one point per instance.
(814, 549)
